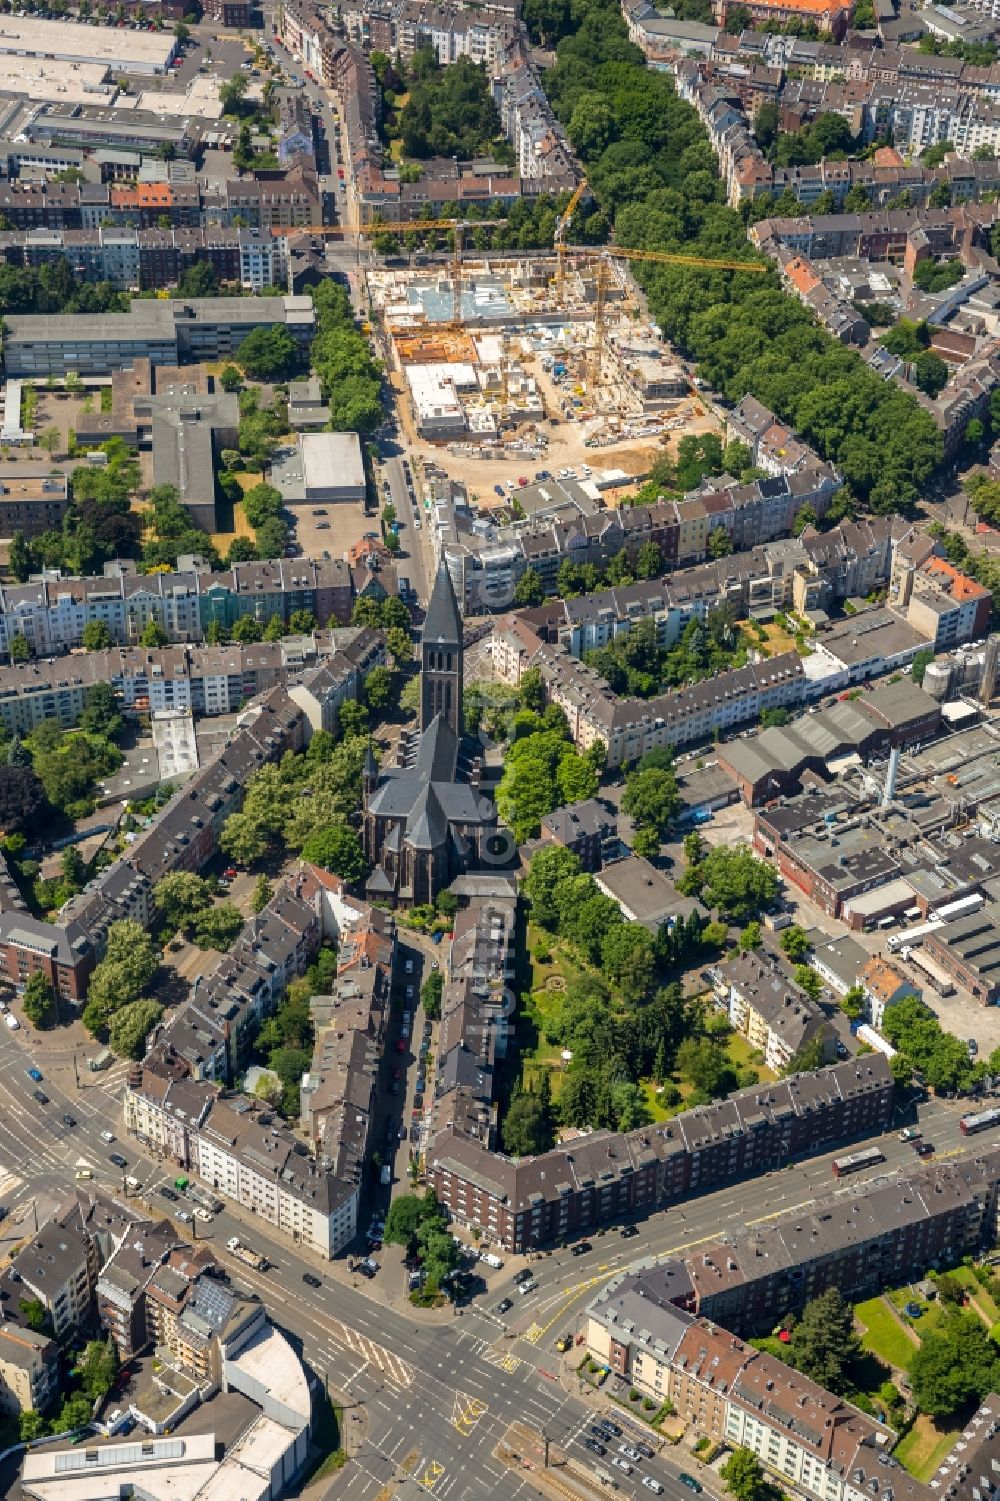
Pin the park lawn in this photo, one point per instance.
(742, 1055)
(666, 1112)
(883, 1336)
(979, 1298)
(924, 1447)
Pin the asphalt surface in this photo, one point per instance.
(430, 1400)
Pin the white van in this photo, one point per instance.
(491, 1260)
(12, 1022)
(132, 1183)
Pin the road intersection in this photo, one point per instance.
(427, 1403)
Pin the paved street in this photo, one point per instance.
(432, 1398)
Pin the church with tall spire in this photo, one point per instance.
(425, 819)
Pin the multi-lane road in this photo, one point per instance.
(428, 1402)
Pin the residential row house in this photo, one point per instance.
(320, 672)
(723, 1389)
(628, 728)
(598, 1178)
(485, 565)
(51, 612)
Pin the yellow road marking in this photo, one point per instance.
(432, 1475)
(466, 1413)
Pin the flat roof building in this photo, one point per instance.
(333, 467)
(120, 49)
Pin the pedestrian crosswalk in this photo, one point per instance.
(393, 1367)
(9, 1183)
(503, 1357)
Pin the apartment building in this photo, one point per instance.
(601, 1177)
(884, 985)
(242, 1150)
(29, 1370)
(485, 569)
(829, 15)
(774, 1014)
(51, 612)
(941, 601)
(123, 1283)
(728, 1391)
(57, 1267)
(628, 728)
(892, 1230)
(31, 503)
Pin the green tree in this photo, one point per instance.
(920, 664)
(430, 994)
(33, 1313)
(651, 798)
(217, 927)
(129, 1027)
(20, 651)
(231, 379)
(262, 894)
(129, 964)
(528, 590)
(550, 868)
(19, 559)
(527, 1126)
(930, 373)
(31, 1425)
(353, 719)
(954, 1364)
(39, 1001)
(96, 636)
(269, 354)
(405, 1216)
(379, 690)
(750, 938)
(646, 842)
(247, 630)
(101, 714)
(736, 882)
(720, 543)
(98, 1368)
(794, 943)
(337, 849)
(824, 1345)
(180, 897)
(243, 839)
(301, 622)
(744, 1476)
(808, 980)
(153, 635)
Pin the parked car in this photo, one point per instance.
(594, 1446)
(629, 1453)
(69, 1120)
(581, 1248)
(622, 1464)
(629, 1231)
(611, 1427)
(690, 1482)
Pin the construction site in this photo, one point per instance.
(531, 358)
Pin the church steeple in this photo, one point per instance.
(441, 656)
